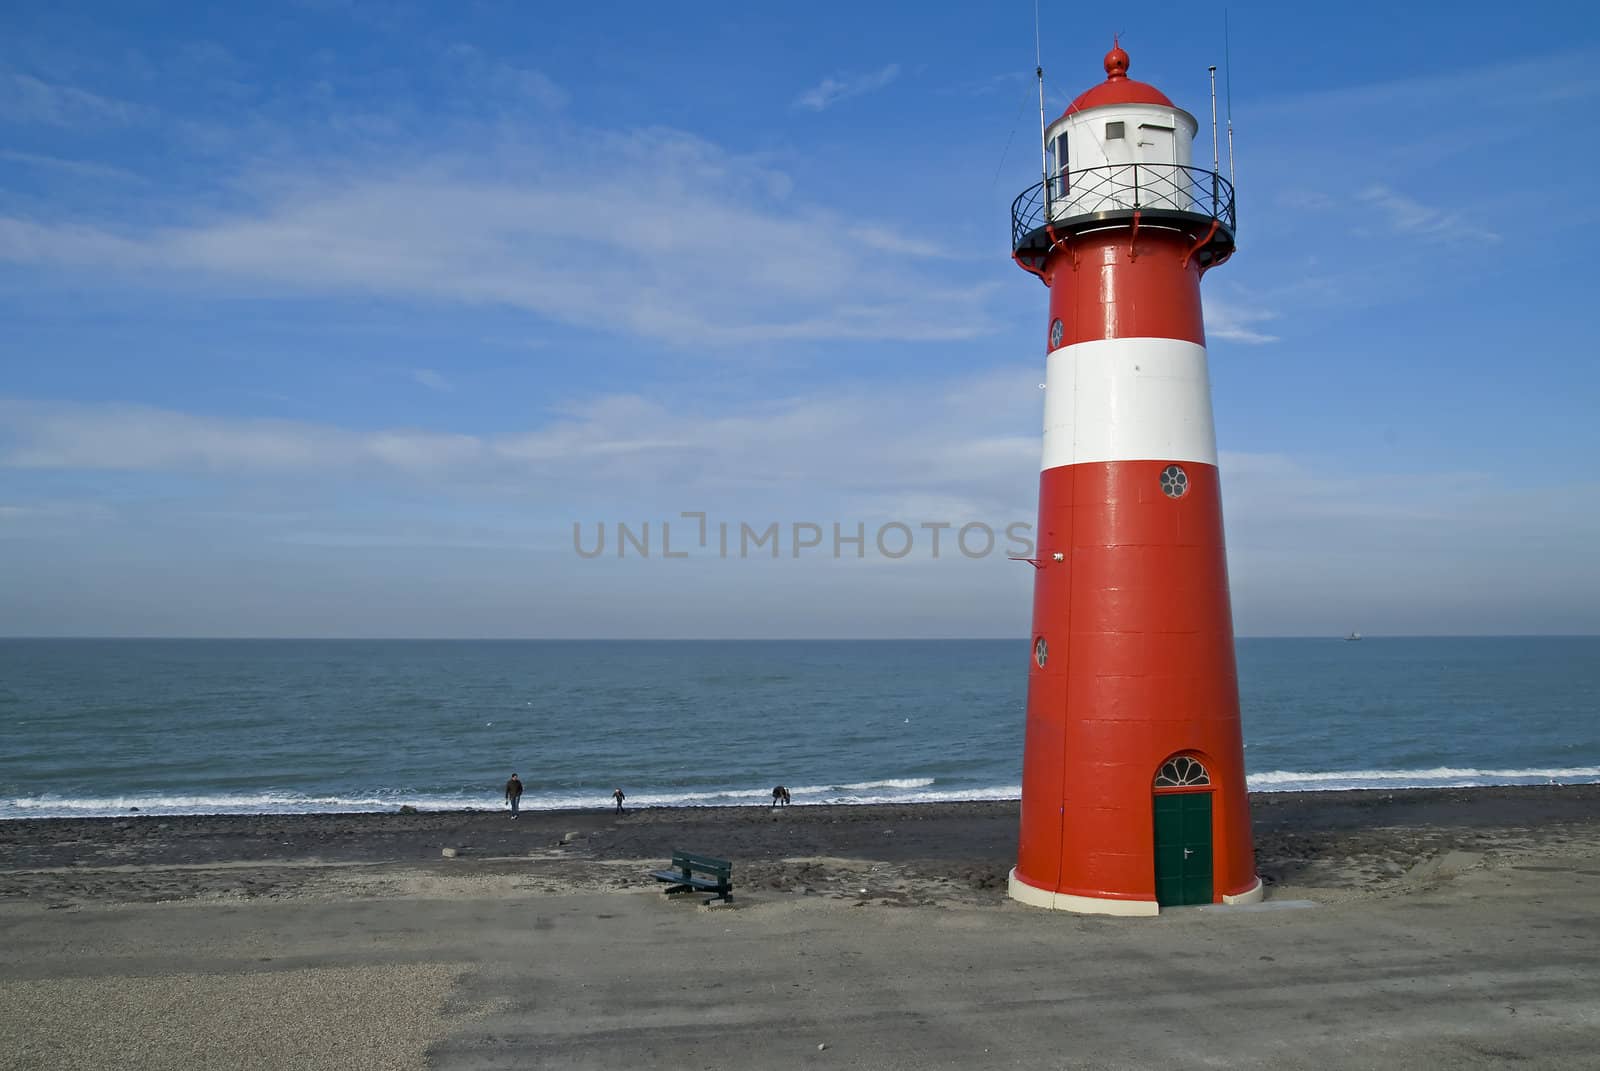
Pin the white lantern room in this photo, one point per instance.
(1121, 146)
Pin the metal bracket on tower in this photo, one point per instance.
(1030, 269)
(1193, 249)
(1050, 229)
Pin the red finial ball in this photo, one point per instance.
(1116, 61)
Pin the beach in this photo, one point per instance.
(1401, 928)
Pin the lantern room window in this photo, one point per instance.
(1060, 174)
(1115, 131)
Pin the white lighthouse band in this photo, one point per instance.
(1128, 399)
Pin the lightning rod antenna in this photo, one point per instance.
(1038, 73)
(1227, 61)
(1214, 161)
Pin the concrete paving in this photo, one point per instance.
(1486, 967)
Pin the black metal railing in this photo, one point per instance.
(1097, 191)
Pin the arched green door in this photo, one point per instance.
(1183, 848)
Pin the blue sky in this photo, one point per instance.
(333, 318)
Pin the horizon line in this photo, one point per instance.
(757, 639)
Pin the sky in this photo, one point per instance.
(345, 319)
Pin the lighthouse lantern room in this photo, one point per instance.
(1133, 788)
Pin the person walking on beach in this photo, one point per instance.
(618, 795)
(514, 793)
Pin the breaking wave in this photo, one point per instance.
(888, 790)
(1435, 777)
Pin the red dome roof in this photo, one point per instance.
(1118, 88)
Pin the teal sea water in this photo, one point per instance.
(94, 727)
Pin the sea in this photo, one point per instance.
(104, 727)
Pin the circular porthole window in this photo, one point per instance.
(1041, 651)
(1174, 481)
(1057, 330)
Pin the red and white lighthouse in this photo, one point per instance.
(1133, 787)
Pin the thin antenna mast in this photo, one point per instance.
(1214, 160)
(1038, 73)
(1227, 60)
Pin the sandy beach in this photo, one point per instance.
(1407, 928)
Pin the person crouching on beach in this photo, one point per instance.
(618, 795)
(780, 795)
(514, 793)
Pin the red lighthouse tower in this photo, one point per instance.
(1133, 789)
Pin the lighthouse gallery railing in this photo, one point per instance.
(1097, 191)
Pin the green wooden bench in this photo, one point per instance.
(698, 872)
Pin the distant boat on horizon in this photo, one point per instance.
(1352, 637)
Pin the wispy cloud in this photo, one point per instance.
(1410, 216)
(24, 98)
(51, 510)
(888, 240)
(1319, 547)
(507, 80)
(1307, 200)
(1504, 86)
(1225, 319)
(835, 88)
(542, 231)
(80, 168)
(975, 438)
(980, 87)
(427, 377)
(1314, 547)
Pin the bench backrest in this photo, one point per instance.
(690, 863)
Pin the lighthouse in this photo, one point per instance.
(1133, 787)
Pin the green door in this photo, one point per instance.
(1183, 848)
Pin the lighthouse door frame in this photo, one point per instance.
(1183, 814)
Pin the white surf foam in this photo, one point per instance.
(904, 782)
(892, 790)
(887, 790)
(1435, 777)
(263, 803)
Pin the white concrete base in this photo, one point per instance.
(1253, 895)
(1034, 896)
(1265, 905)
